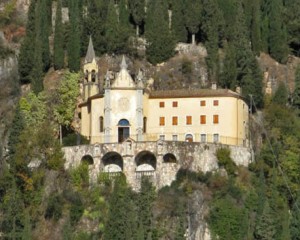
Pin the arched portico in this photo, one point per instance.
(145, 161)
(169, 158)
(112, 162)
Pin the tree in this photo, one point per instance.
(277, 34)
(192, 16)
(177, 23)
(228, 73)
(211, 25)
(281, 94)
(58, 55)
(27, 47)
(265, 229)
(145, 201)
(74, 39)
(255, 27)
(295, 220)
(160, 39)
(137, 10)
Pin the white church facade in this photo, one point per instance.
(126, 109)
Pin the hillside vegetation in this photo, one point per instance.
(39, 199)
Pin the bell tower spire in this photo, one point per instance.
(90, 54)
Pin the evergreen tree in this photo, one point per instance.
(296, 93)
(211, 26)
(160, 39)
(295, 220)
(121, 221)
(265, 229)
(255, 27)
(58, 55)
(145, 201)
(292, 19)
(265, 31)
(281, 94)
(94, 24)
(177, 22)
(277, 36)
(74, 39)
(117, 32)
(192, 16)
(27, 47)
(36, 74)
(137, 10)
(44, 32)
(229, 71)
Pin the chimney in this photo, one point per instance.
(214, 86)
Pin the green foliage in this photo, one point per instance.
(295, 221)
(74, 40)
(71, 139)
(7, 13)
(4, 51)
(76, 209)
(296, 93)
(281, 95)
(227, 220)
(67, 94)
(161, 41)
(58, 55)
(192, 15)
(54, 207)
(178, 25)
(224, 160)
(137, 11)
(80, 176)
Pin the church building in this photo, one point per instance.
(126, 109)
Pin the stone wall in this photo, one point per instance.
(193, 156)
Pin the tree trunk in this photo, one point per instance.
(137, 30)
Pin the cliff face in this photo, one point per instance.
(9, 91)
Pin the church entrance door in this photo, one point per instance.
(123, 130)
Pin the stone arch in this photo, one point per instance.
(88, 159)
(112, 162)
(169, 158)
(145, 161)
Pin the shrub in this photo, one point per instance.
(224, 160)
(71, 140)
(54, 207)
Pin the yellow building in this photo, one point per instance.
(126, 109)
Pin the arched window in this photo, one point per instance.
(189, 138)
(101, 124)
(123, 123)
(93, 76)
(86, 75)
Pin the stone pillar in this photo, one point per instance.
(107, 116)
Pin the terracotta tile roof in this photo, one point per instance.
(186, 93)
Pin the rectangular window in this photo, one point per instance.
(216, 137)
(162, 121)
(161, 104)
(174, 121)
(175, 138)
(175, 104)
(216, 102)
(203, 119)
(162, 137)
(188, 120)
(216, 119)
(203, 138)
(202, 103)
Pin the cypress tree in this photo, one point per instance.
(277, 37)
(58, 55)
(281, 95)
(255, 27)
(178, 26)
(27, 46)
(43, 8)
(160, 39)
(210, 27)
(192, 17)
(265, 31)
(137, 10)
(36, 74)
(74, 39)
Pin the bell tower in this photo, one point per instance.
(90, 69)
